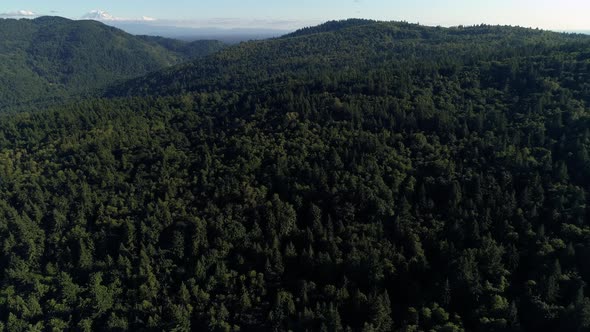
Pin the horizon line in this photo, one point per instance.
(216, 23)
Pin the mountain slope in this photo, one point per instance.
(52, 57)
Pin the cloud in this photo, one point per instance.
(101, 15)
(19, 13)
(26, 13)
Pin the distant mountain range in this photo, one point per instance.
(150, 26)
(190, 34)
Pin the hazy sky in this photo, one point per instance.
(289, 14)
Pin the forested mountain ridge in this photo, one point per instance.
(52, 57)
(440, 183)
(331, 26)
(351, 50)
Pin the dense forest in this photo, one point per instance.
(48, 59)
(355, 176)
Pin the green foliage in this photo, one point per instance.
(359, 176)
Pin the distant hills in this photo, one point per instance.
(231, 36)
(150, 26)
(53, 57)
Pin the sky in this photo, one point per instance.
(291, 14)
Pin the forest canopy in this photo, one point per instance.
(359, 175)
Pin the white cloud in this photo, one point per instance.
(26, 13)
(101, 15)
(19, 13)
